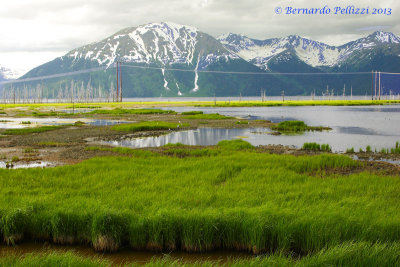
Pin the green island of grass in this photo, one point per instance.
(296, 126)
(201, 116)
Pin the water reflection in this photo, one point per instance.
(15, 123)
(202, 137)
(356, 130)
(355, 126)
(17, 165)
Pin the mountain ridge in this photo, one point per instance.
(167, 46)
(313, 53)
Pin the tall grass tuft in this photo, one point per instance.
(14, 224)
(108, 231)
(316, 147)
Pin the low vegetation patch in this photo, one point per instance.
(237, 144)
(31, 130)
(393, 150)
(297, 103)
(148, 126)
(192, 112)
(215, 116)
(120, 111)
(52, 144)
(296, 126)
(49, 114)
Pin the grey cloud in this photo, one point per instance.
(93, 20)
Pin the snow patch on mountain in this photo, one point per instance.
(165, 81)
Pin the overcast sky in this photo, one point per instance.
(36, 31)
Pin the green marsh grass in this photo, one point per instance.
(237, 144)
(51, 114)
(218, 103)
(148, 126)
(237, 199)
(215, 116)
(120, 111)
(23, 131)
(317, 147)
(296, 126)
(191, 112)
(295, 103)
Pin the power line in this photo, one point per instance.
(247, 72)
(59, 75)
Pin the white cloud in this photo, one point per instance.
(35, 31)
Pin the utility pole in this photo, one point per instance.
(120, 82)
(372, 85)
(117, 82)
(344, 91)
(283, 96)
(379, 85)
(375, 83)
(351, 93)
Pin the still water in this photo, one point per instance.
(377, 126)
(16, 123)
(124, 256)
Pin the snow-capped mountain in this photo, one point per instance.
(313, 53)
(162, 48)
(155, 43)
(259, 52)
(161, 45)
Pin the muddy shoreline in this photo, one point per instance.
(69, 144)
